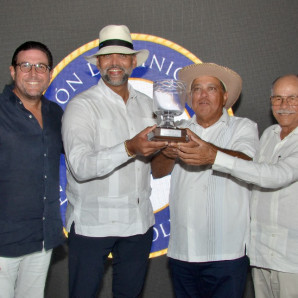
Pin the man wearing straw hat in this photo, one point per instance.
(108, 154)
(273, 248)
(209, 211)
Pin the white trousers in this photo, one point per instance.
(24, 276)
(274, 284)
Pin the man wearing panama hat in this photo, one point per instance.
(108, 154)
(209, 212)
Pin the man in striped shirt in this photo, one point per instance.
(209, 211)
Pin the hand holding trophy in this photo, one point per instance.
(169, 97)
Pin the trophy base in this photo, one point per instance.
(168, 134)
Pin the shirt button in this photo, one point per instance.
(30, 116)
(43, 218)
(44, 198)
(45, 176)
(45, 155)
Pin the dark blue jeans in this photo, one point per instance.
(220, 279)
(87, 256)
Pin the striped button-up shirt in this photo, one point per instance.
(108, 192)
(210, 210)
(274, 204)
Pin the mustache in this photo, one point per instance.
(285, 112)
(115, 66)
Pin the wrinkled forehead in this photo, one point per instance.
(208, 80)
(287, 85)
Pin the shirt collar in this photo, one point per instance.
(225, 118)
(9, 94)
(108, 90)
(8, 91)
(277, 129)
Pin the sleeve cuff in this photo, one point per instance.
(224, 162)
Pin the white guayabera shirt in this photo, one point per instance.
(108, 192)
(209, 210)
(274, 202)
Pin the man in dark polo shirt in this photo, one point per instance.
(30, 148)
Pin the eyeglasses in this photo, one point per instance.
(39, 67)
(291, 100)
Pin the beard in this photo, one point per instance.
(115, 82)
(23, 91)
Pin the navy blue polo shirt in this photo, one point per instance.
(30, 216)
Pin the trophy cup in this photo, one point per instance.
(169, 98)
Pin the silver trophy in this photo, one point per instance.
(169, 97)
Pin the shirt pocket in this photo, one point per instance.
(106, 124)
(274, 239)
(110, 132)
(121, 210)
(143, 122)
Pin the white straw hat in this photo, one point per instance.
(116, 39)
(231, 80)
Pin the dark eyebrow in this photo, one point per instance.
(209, 85)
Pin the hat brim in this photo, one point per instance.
(231, 80)
(142, 55)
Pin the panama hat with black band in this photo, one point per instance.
(116, 39)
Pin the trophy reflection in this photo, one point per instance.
(169, 97)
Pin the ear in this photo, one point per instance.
(225, 98)
(97, 62)
(189, 99)
(12, 72)
(134, 61)
(51, 74)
